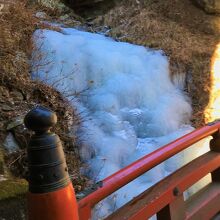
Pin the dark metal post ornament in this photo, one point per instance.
(47, 166)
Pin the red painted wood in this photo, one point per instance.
(129, 173)
(85, 212)
(161, 194)
(57, 205)
(204, 204)
(174, 210)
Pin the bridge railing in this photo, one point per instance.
(51, 195)
(166, 197)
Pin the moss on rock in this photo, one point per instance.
(1, 162)
(12, 199)
(12, 188)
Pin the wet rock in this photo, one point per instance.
(210, 6)
(64, 17)
(2, 178)
(91, 8)
(2, 126)
(6, 107)
(17, 95)
(52, 4)
(41, 15)
(22, 136)
(78, 3)
(1, 164)
(20, 133)
(15, 122)
(10, 143)
(13, 199)
(4, 92)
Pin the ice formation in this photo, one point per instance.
(128, 103)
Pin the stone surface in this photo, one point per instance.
(10, 143)
(17, 95)
(13, 197)
(13, 188)
(15, 122)
(51, 4)
(91, 8)
(41, 15)
(1, 164)
(2, 178)
(84, 2)
(210, 6)
(4, 92)
(6, 108)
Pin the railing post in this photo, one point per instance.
(174, 210)
(51, 195)
(215, 146)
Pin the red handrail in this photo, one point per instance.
(169, 190)
(139, 167)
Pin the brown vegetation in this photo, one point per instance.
(184, 32)
(18, 93)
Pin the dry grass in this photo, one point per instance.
(18, 93)
(185, 33)
(17, 25)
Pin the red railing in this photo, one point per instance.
(166, 197)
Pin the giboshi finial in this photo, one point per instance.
(40, 119)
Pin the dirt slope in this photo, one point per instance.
(186, 34)
(19, 93)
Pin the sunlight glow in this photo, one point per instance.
(212, 112)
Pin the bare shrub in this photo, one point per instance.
(17, 26)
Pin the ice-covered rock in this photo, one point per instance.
(10, 143)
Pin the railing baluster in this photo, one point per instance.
(173, 211)
(215, 146)
(51, 195)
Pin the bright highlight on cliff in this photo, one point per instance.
(213, 110)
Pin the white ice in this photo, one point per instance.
(127, 101)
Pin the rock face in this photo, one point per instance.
(10, 143)
(79, 3)
(90, 8)
(210, 6)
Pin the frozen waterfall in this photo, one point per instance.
(129, 104)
